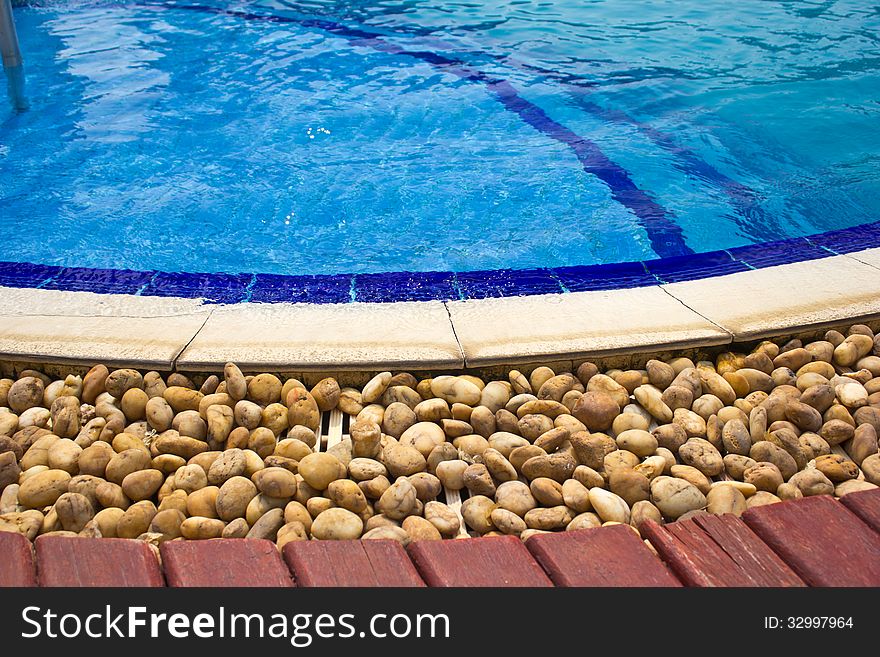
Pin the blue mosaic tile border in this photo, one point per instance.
(437, 286)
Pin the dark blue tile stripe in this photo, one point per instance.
(700, 265)
(849, 239)
(18, 274)
(406, 286)
(665, 235)
(751, 218)
(588, 278)
(780, 252)
(438, 286)
(745, 199)
(83, 279)
(213, 288)
(507, 283)
(275, 288)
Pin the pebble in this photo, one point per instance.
(596, 410)
(726, 499)
(319, 469)
(120, 453)
(608, 506)
(674, 497)
(337, 525)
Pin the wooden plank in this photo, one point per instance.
(233, 562)
(90, 562)
(714, 550)
(866, 505)
(824, 542)
(604, 556)
(16, 561)
(350, 563)
(492, 561)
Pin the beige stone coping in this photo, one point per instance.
(48, 326)
(788, 298)
(577, 325)
(81, 328)
(337, 337)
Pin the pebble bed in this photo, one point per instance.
(142, 456)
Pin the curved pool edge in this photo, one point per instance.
(388, 287)
(63, 327)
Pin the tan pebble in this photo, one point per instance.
(609, 506)
(837, 468)
(576, 496)
(596, 409)
(420, 529)
(764, 476)
(375, 387)
(387, 533)
(746, 489)
(675, 497)
(142, 485)
(552, 518)
(726, 499)
(454, 389)
(693, 476)
(399, 500)
(639, 442)
(443, 518)
(477, 511)
(812, 482)
(319, 469)
(788, 491)
(761, 498)
(401, 460)
(853, 486)
(644, 511)
(630, 485)
(587, 520)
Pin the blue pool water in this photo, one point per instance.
(333, 138)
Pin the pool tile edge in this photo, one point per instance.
(51, 326)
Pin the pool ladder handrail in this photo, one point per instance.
(9, 47)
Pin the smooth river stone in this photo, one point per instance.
(608, 506)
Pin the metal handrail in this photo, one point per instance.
(9, 48)
(11, 55)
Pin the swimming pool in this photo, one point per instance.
(281, 151)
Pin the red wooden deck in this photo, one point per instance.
(824, 542)
(718, 551)
(816, 541)
(234, 562)
(493, 561)
(866, 505)
(118, 562)
(605, 556)
(16, 561)
(350, 563)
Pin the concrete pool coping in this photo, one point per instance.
(43, 326)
